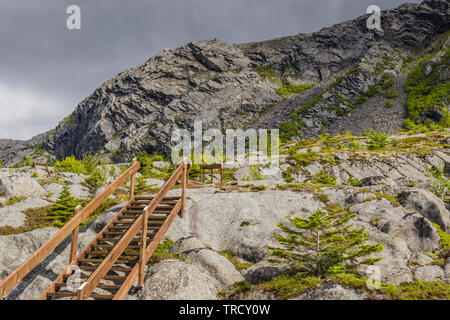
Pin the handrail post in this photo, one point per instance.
(143, 248)
(132, 182)
(74, 243)
(184, 181)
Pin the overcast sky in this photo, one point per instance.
(47, 69)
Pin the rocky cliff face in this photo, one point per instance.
(238, 86)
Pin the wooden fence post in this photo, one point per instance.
(221, 173)
(74, 243)
(132, 182)
(184, 181)
(143, 248)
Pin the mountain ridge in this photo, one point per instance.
(229, 86)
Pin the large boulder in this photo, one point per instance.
(217, 265)
(20, 186)
(242, 223)
(177, 280)
(430, 273)
(427, 204)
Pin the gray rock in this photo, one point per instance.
(217, 265)
(186, 244)
(155, 183)
(264, 271)
(79, 191)
(330, 290)
(177, 280)
(243, 223)
(430, 273)
(422, 259)
(161, 164)
(20, 186)
(12, 215)
(427, 204)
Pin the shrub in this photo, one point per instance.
(377, 140)
(287, 89)
(63, 209)
(1, 163)
(324, 244)
(95, 181)
(324, 178)
(354, 145)
(391, 94)
(389, 104)
(372, 91)
(70, 164)
(35, 175)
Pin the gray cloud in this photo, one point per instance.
(46, 69)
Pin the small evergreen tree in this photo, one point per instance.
(324, 244)
(63, 209)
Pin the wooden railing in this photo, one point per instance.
(140, 224)
(72, 227)
(38, 164)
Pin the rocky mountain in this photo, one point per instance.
(341, 78)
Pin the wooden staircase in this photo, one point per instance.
(107, 268)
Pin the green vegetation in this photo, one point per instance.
(11, 201)
(95, 181)
(324, 244)
(287, 89)
(24, 163)
(441, 184)
(389, 104)
(426, 92)
(232, 257)
(255, 173)
(289, 129)
(118, 155)
(63, 209)
(387, 81)
(266, 72)
(147, 168)
(35, 175)
(162, 254)
(324, 178)
(391, 94)
(86, 166)
(377, 140)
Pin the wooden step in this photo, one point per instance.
(101, 260)
(100, 286)
(93, 268)
(139, 212)
(151, 198)
(72, 294)
(96, 253)
(107, 277)
(118, 233)
(110, 246)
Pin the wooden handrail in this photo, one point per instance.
(94, 279)
(26, 267)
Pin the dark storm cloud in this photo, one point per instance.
(46, 69)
